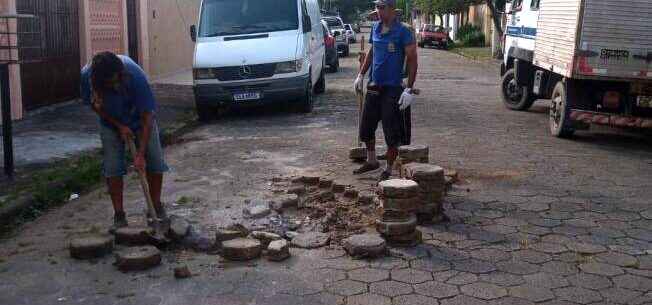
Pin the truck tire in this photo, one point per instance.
(514, 97)
(560, 122)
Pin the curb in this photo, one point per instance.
(12, 209)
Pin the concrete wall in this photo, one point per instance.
(170, 47)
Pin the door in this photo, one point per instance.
(132, 29)
(55, 78)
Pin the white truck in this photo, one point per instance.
(591, 58)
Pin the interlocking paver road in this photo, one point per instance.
(534, 219)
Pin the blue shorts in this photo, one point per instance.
(113, 148)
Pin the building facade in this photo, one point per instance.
(155, 33)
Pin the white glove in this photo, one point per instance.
(407, 99)
(357, 85)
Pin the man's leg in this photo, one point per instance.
(156, 166)
(368, 126)
(113, 168)
(116, 186)
(155, 181)
(392, 128)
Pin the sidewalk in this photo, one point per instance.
(70, 129)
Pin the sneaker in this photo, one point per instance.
(119, 221)
(367, 167)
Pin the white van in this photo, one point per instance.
(250, 52)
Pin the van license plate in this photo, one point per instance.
(644, 102)
(246, 96)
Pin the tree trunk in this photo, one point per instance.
(494, 15)
(441, 17)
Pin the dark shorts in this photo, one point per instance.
(382, 105)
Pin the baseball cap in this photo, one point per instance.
(391, 3)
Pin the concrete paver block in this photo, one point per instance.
(325, 183)
(278, 250)
(366, 198)
(413, 152)
(601, 269)
(137, 258)
(368, 275)
(311, 240)
(406, 240)
(390, 288)
(484, 291)
(284, 202)
(91, 247)
(338, 187)
(133, 236)
(259, 210)
(393, 228)
(182, 272)
(401, 204)
(265, 237)
(241, 249)
(398, 188)
(310, 179)
(222, 235)
(365, 245)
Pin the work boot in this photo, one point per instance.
(119, 221)
(367, 167)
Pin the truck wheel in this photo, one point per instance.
(320, 87)
(515, 97)
(306, 102)
(560, 122)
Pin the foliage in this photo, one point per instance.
(470, 36)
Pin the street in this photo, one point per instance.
(534, 219)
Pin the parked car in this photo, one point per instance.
(350, 33)
(433, 35)
(229, 68)
(332, 59)
(336, 26)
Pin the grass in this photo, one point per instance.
(475, 53)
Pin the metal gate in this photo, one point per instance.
(55, 78)
(132, 24)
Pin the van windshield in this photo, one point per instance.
(235, 17)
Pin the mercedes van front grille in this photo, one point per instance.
(245, 72)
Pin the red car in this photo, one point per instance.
(433, 35)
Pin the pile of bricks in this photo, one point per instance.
(400, 202)
(413, 154)
(432, 189)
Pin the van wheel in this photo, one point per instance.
(334, 66)
(306, 102)
(515, 97)
(560, 122)
(205, 113)
(320, 87)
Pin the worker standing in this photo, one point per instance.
(387, 100)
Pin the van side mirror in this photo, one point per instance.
(193, 33)
(307, 25)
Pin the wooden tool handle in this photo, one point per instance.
(143, 181)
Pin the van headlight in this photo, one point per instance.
(204, 73)
(289, 66)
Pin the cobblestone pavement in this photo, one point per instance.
(535, 220)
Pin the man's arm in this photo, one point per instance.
(146, 123)
(96, 104)
(368, 59)
(412, 63)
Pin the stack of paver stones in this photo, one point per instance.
(413, 154)
(432, 188)
(398, 223)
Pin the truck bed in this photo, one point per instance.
(595, 39)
